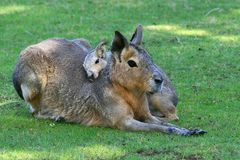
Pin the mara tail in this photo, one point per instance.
(16, 83)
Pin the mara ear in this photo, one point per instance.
(119, 43)
(137, 36)
(101, 49)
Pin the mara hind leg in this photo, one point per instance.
(29, 77)
(48, 115)
(30, 88)
(31, 95)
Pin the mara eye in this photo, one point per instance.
(131, 63)
(97, 61)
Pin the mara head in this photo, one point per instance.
(132, 66)
(95, 61)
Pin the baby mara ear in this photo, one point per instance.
(101, 50)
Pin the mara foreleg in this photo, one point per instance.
(134, 125)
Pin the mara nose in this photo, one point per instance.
(91, 78)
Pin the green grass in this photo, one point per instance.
(196, 42)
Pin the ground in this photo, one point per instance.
(196, 42)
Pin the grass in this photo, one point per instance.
(196, 42)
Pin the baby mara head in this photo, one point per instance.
(95, 61)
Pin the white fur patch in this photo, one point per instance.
(31, 109)
(25, 92)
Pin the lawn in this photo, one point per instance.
(196, 42)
